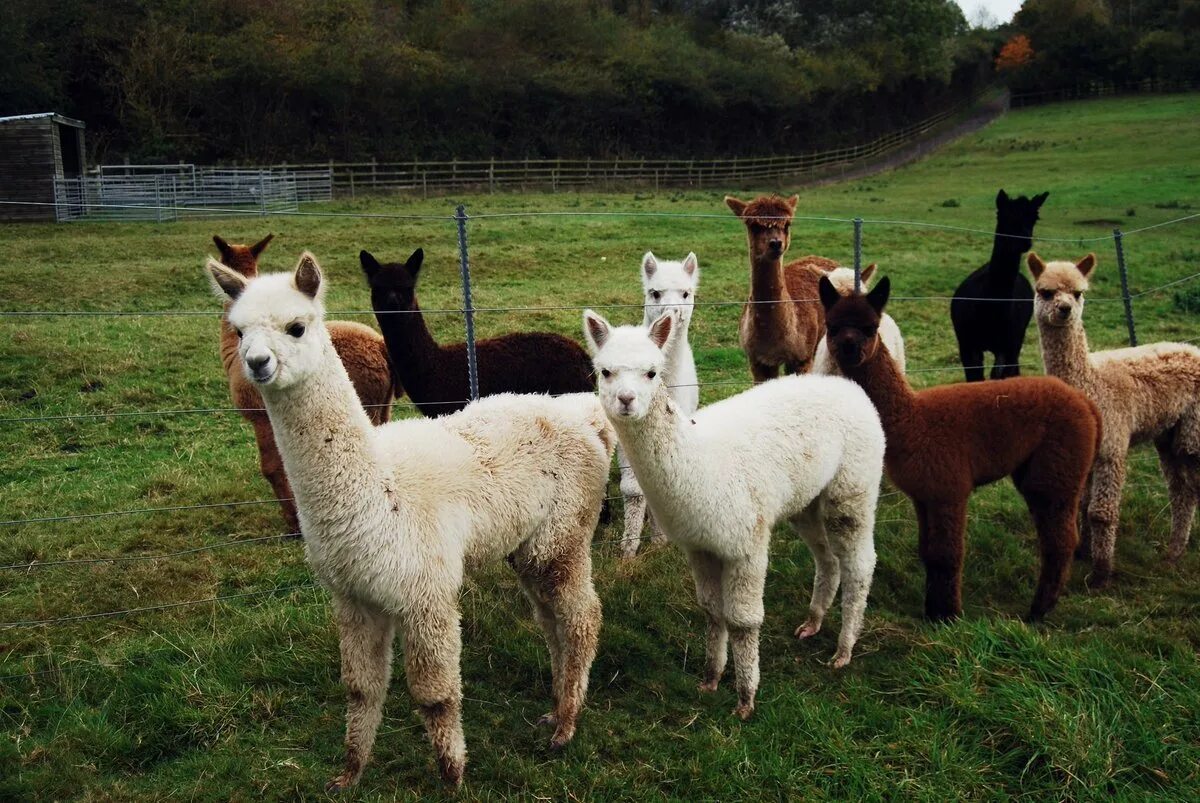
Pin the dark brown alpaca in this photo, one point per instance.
(944, 442)
(783, 322)
(360, 348)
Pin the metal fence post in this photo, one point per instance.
(858, 255)
(1118, 240)
(460, 215)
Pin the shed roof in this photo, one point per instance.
(58, 118)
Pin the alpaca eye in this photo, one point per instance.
(1078, 294)
(239, 333)
(686, 294)
(651, 374)
(1047, 295)
(655, 295)
(604, 372)
(295, 329)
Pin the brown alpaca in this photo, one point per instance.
(360, 348)
(1148, 393)
(783, 322)
(944, 442)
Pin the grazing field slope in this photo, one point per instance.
(241, 698)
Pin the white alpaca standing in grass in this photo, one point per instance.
(667, 287)
(843, 281)
(1145, 393)
(809, 449)
(392, 515)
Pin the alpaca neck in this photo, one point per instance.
(411, 346)
(323, 435)
(889, 391)
(658, 447)
(1005, 262)
(1065, 352)
(230, 358)
(767, 287)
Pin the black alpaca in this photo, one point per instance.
(435, 377)
(998, 325)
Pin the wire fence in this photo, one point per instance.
(461, 221)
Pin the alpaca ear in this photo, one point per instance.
(691, 266)
(227, 283)
(1086, 265)
(307, 277)
(735, 205)
(370, 264)
(261, 245)
(878, 297)
(867, 272)
(595, 330)
(1038, 200)
(222, 247)
(1036, 265)
(415, 261)
(649, 264)
(791, 202)
(828, 293)
(1001, 198)
(661, 329)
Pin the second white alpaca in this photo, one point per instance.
(809, 449)
(843, 281)
(394, 515)
(667, 287)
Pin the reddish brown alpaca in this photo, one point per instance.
(783, 322)
(360, 347)
(944, 442)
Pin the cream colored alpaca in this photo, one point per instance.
(804, 448)
(843, 281)
(393, 515)
(1147, 393)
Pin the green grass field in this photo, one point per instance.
(242, 699)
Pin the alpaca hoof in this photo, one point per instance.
(339, 784)
(708, 685)
(809, 628)
(941, 617)
(546, 720)
(841, 659)
(744, 711)
(561, 739)
(452, 772)
(1099, 579)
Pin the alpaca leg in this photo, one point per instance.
(742, 583)
(543, 613)
(577, 614)
(1183, 485)
(852, 535)
(706, 570)
(272, 468)
(635, 507)
(826, 571)
(1083, 551)
(1055, 525)
(972, 360)
(365, 637)
(432, 649)
(941, 550)
(763, 372)
(659, 535)
(1108, 478)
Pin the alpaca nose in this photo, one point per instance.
(256, 363)
(1064, 310)
(775, 245)
(626, 398)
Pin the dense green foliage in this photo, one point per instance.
(242, 700)
(206, 80)
(1078, 42)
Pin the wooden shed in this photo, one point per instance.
(35, 149)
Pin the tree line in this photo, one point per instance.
(295, 80)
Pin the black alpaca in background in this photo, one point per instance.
(436, 376)
(997, 321)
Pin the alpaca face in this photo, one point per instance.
(768, 222)
(669, 286)
(852, 322)
(1016, 218)
(393, 284)
(628, 362)
(1060, 287)
(278, 318)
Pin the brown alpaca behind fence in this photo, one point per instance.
(360, 348)
(944, 442)
(783, 321)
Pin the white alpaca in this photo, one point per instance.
(392, 515)
(809, 449)
(667, 287)
(843, 281)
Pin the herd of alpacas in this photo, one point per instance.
(393, 514)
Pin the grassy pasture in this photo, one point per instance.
(242, 699)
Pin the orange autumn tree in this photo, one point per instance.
(1016, 53)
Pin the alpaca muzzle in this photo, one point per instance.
(260, 367)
